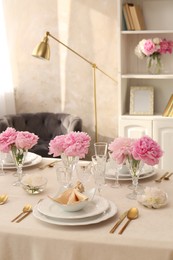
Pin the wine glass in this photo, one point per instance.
(116, 169)
(2, 158)
(83, 171)
(100, 148)
(98, 167)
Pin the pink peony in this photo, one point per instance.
(25, 140)
(21, 140)
(147, 150)
(7, 138)
(72, 144)
(149, 47)
(121, 147)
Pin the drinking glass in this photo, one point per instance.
(64, 176)
(98, 167)
(83, 172)
(116, 169)
(2, 158)
(100, 148)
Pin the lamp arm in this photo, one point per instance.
(91, 63)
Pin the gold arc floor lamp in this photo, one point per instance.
(42, 51)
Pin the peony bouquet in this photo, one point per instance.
(153, 48)
(11, 138)
(143, 149)
(72, 144)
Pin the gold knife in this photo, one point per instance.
(20, 219)
(121, 218)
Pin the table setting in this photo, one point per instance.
(81, 203)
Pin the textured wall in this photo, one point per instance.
(65, 83)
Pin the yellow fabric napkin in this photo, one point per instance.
(72, 195)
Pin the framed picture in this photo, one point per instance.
(141, 100)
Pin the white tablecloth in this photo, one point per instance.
(148, 237)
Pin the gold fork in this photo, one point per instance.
(162, 177)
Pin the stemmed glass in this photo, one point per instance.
(18, 156)
(116, 168)
(101, 148)
(64, 176)
(98, 167)
(83, 172)
(2, 158)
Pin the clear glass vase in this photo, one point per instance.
(18, 156)
(135, 168)
(69, 162)
(154, 64)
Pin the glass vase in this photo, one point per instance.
(18, 156)
(69, 162)
(154, 64)
(135, 168)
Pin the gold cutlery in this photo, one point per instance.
(27, 208)
(121, 218)
(168, 176)
(50, 164)
(132, 214)
(162, 177)
(20, 219)
(3, 198)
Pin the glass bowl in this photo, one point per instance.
(34, 184)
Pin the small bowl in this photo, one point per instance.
(31, 184)
(77, 205)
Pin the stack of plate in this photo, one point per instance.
(124, 174)
(31, 159)
(97, 210)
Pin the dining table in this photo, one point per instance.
(150, 236)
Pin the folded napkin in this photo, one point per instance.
(72, 195)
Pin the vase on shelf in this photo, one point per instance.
(69, 162)
(135, 169)
(154, 64)
(18, 156)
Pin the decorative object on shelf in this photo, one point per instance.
(153, 49)
(71, 147)
(168, 111)
(141, 100)
(135, 152)
(42, 50)
(18, 143)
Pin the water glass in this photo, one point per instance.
(100, 148)
(2, 159)
(99, 167)
(83, 171)
(63, 176)
(116, 169)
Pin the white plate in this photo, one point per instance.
(127, 177)
(95, 207)
(112, 210)
(36, 160)
(29, 158)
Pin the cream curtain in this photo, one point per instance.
(7, 102)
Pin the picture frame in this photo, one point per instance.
(141, 100)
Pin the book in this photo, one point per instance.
(128, 17)
(168, 107)
(137, 17)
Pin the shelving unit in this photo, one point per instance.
(133, 72)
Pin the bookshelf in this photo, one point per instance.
(133, 72)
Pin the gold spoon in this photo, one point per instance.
(168, 176)
(26, 208)
(3, 198)
(132, 214)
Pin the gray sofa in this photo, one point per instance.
(44, 124)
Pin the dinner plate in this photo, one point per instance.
(29, 158)
(33, 159)
(111, 211)
(95, 207)
(127, 177)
